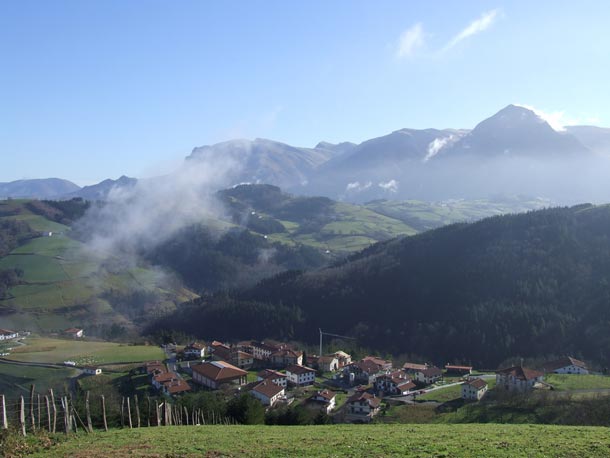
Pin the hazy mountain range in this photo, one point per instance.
(514, 151)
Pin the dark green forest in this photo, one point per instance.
(525, 285)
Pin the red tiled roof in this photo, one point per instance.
(414, 366)
(520, 372)
(219, 371)
(477, 383)
(72, 330)
(268, 388)
(177, 386)
(296, 369)
(6, 332)
(360, 396)
(431, 372)
(326, 394)
(165, 377)
(270, 373)
(450, 367)
(563, 362)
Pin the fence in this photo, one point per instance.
(53, 413)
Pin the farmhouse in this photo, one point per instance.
(452, 369)
(286, 357)
(276, 377)
(474, 390)
(328, 363)
(267, 392)
(382, 363)
(164, 377)
(362, 407)
(300, 375)
(430, 375)
(216, 373)
(175, 387)
(154, 368)
(518, 378)
(344, 358)
(194, 350)
(92, 370)
(220, 351)
(259, 350)
(7, 334)
(75, 333)
(242, 359)
(411, 368)
(567, 365)
(325, 400)
(396, 383)
(364, 371)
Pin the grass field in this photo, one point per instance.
(15, 380)
(566, 382)
(424, 441)
(46, 350)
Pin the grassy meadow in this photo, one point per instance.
(489, 440)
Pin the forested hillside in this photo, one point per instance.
(520, 285)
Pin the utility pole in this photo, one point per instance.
(332, 335)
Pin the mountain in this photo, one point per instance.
(101, 190)
(264, 161)
(46, 188)
(516, 131)
(529, 285)
(597, 139)
(336, 149)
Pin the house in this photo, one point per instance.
(242, 359)
(328, 363)
(160, 379)
(267, 392)
(75, 333)
(92, 370)
(344, 358)
(217, 373)
(175, 387)
(567, 365)
(326, 400)
(7, 334)
(362, 407)
(474, 390)
(286, 357)
(411, 368)
(154, 368)
(194, 350)
(220, 351)
(428, 376)
(455, 370)
(518, 378)
(276, 377)
(396, 383)
(382, 363)
(259, 350)
(364, 371)
(300, 375)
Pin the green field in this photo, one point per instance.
(566, 382)
(46, 350)
(449, 393)
(424, 441)
(15, 379)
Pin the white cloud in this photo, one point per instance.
(479, 25)
(438, 144)
(356, 186)
(410, 41)
(559, 119)
(390, 186)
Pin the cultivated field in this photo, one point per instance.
(423, 441)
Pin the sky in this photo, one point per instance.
(97, 89)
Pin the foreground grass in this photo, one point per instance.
(339, 441)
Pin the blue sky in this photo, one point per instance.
(91, 90)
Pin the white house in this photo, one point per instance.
(328, 363)
(518, 378)
(276, 377)
(7, 334)
(567, 365)
(474, 390)
(362, 407)
(300, 375)
(75, 333)
(396, 383)
(194, 350)
(267, 392)
(326, 399)
(92, 370)
(430, 375)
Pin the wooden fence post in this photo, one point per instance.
(129, 413)
(22, 415)
(123, 412)
(3, 412)
(137, 405)
(39, 410)
(104, 413)
(48, 405)
(158, 411)
(148, 407)
(32, 416)
(54, 410)
(88, 413)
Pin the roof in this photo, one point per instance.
(296, 369)
(219, 371)
(195, 346)
(520, 372)
(268, 388)
(177, 386)
(243, 355)
(287, 352)
(367, 366)
(364, 396)
(327, 359)
(406, 385)
(563, 362)
(376, 360)
(342, 354)
(326, 394)
(73, 330)
(165, 377)
(7, 332)
(270, 373)
(477, 383)
(431, 372)
(450, 367)
(414, 366)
